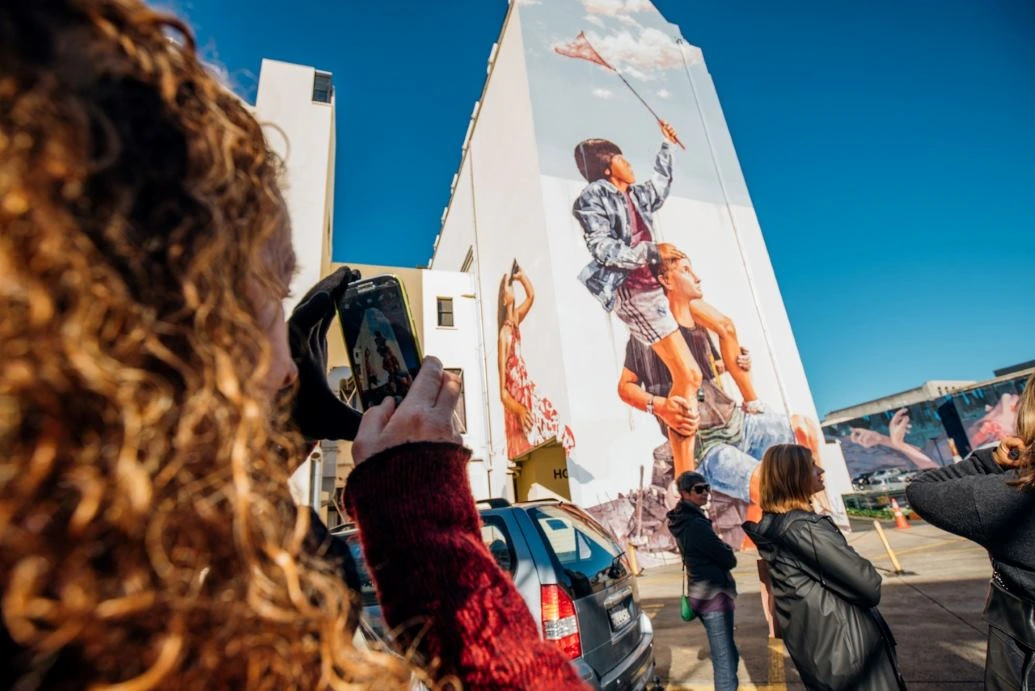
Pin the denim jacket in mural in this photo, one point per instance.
(606, 227)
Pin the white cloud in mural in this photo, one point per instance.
(608, 7)
(643, 55)
(603, 93)
(595, 20)
(616, 8)
(529, 2)
(664, 94)
(629, 21)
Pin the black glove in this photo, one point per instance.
(317, 411)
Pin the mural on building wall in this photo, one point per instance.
(916, 437)
(531, 419)
(642, 197)
(909, 438)
(989, 413)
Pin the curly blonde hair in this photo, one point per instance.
(147, 535)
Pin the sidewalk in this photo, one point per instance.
(935, 614)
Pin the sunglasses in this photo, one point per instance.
(701, 489)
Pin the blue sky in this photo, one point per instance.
(888, 146)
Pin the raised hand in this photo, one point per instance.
(668, 132)
(425, 414)
(317, 411)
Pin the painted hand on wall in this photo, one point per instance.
(668, 132)
(868, 437)
(675, 412)
(898, 427)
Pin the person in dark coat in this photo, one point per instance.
(708, 562)
(825, 594)
(990, 498)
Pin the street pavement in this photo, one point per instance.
(934, 611)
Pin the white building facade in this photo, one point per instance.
(295, 105)
(545, 357)
(555, 88)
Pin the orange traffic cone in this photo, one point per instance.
(900, 521)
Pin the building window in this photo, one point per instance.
(323, 89)
(445, 312)
(468, 260)
(460, 413)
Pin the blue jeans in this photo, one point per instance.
(725, 656)
(728, 468)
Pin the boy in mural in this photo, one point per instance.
(731, 437)
(616, 214)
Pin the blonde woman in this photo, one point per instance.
(990, 498)
(825, 594)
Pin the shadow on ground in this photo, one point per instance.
(938, 625)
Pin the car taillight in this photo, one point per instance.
(560, 624)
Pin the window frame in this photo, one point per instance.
(439, 300)
(500, 525)
(319, 79)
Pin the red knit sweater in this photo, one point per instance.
(436, 581)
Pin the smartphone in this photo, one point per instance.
(380, 338)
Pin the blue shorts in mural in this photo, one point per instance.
(728, 467)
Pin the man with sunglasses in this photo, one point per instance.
(709, 562)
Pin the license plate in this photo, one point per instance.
(620, 617)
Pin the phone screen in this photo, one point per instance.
(379, 335)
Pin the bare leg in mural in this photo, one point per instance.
(530, 418)
(686, 380)
(616, 214)
(731, 350)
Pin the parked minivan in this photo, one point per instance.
(576, 581)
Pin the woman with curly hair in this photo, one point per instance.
(147, 534)
(990, 498)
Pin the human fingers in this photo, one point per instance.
(307, 315)
(336, 284)
(448, 394)
(328, 284)
(424, 391)
(680, 402)
(1008, 454)
(369, 437)
(687, 429)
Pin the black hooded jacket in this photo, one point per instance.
(974, 498)
(825, 600)
(708, 559)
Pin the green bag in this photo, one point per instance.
(685, 610)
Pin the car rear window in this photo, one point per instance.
(589, 557)
(494, 535)
(497, 539)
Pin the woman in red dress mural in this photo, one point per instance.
(530, 418)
